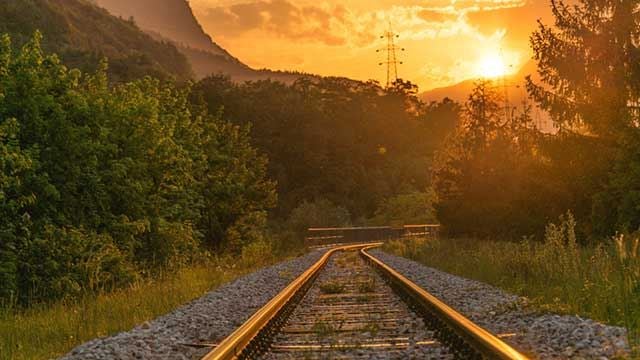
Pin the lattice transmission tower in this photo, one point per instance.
(392, 59)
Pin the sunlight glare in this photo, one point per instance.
(492, 66)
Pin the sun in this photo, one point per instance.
(492, 66)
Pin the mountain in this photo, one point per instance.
(460, 91)
(515, 89)
(82, 34)
(173, 20)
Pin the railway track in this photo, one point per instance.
(351, 305)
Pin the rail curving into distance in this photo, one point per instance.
(466, 339)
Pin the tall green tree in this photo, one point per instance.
(589, 64)
(484, 176)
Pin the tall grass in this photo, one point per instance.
(600, 282)
(51, 330)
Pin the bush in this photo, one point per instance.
(320, 213)
(247, 230)
(69, 262)
(99, 182)
(412, 208)
(257, 254)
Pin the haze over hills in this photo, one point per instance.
(83, 34)
(460, 91)
(516, 91)
(171, 19)
(174, 20)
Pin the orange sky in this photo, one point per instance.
(446, 41)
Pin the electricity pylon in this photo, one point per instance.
(392, 60)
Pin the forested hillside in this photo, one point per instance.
(174, 21)
(82, 34)
(171, 19)
(352, 143)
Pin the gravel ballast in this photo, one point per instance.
(543, 336)
(212, 317)
(208, 319)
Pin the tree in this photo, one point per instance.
(484, 176)
(406, 209)
(482, 115)
(354, 142)
(589, 66)
(590, 70)
(100, 181)
(15, 165)
(319, 213)
(441, 119)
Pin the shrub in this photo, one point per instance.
(70, 261)
(257, 254)
(99, 181)
(405, 209)
(320, 213)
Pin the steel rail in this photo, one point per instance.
(234, 344)
(480, 339)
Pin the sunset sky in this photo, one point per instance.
(446, 41)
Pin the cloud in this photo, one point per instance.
(444, 39)
(516, 21)
(281, 18)
(338, 25)
(436, 16)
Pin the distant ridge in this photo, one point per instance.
(460, 91)
(174, 20)
(82, 34)
(171, 19)
(515, 89)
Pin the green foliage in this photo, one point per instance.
(259, 253)
(320, 213)
(628, 256)
(99, 183)
(616, 206)
(442, 118)
(599, 282)
(405, 209)
(15, 164)
(486, 176)
(237, 195)
(45, 332)
(72, 262)
(588, 66)
(332, 287)
(353, 143)
(82, 34)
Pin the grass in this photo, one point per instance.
(367, 286)
(332, 287)
(323, 329)
(49, 331)
(347, 259)
(373, 328)
(601, 282)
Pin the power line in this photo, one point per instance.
(392, 60)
